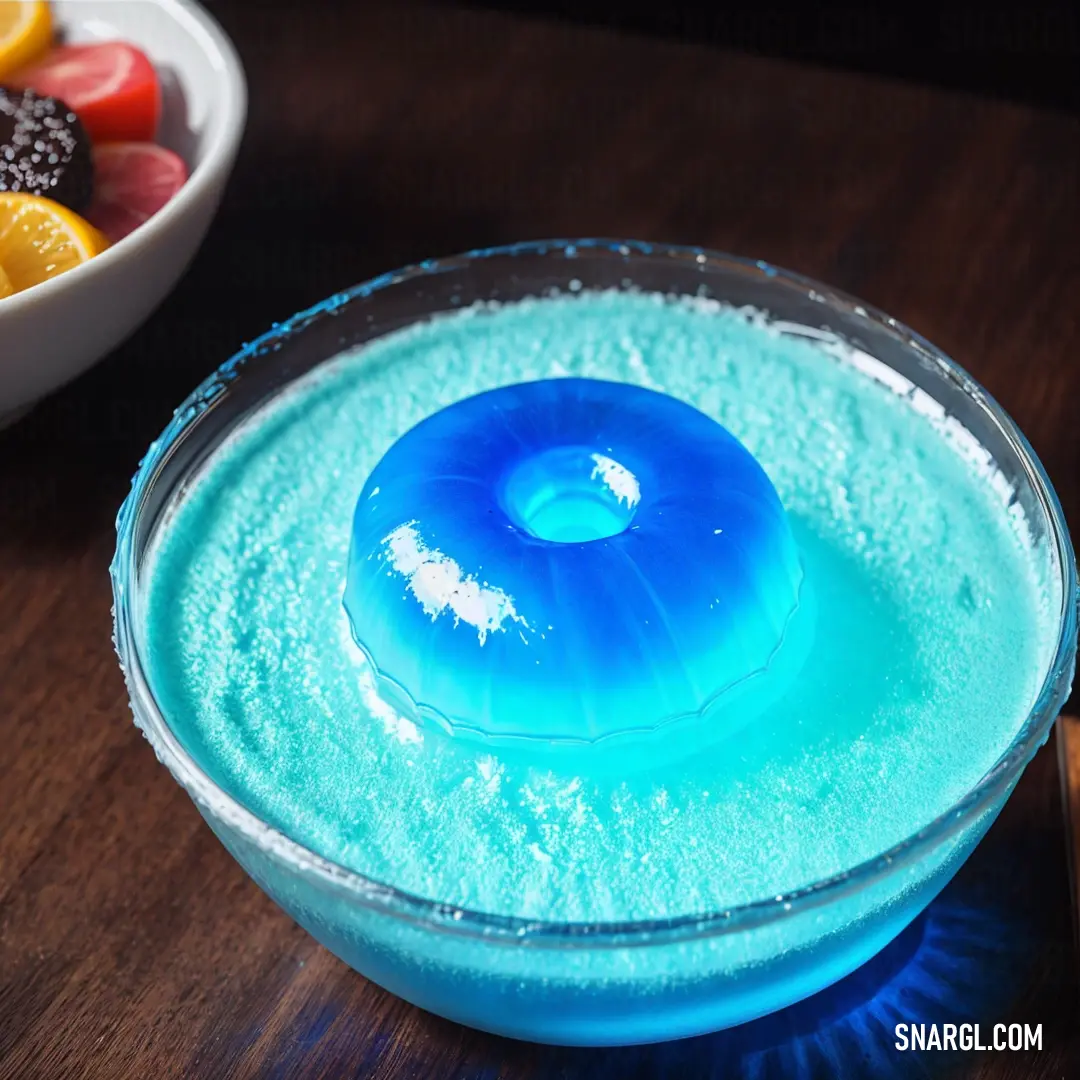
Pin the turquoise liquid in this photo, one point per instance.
(933, 629)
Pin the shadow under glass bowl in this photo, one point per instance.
(579, 983)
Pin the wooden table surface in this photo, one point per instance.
(131, 945)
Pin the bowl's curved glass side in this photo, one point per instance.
(268, 364)
(643, 991)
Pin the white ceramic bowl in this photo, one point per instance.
(54, 331)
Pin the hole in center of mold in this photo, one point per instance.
(571, 495)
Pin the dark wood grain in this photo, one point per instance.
(131, 945)
(1069, 765)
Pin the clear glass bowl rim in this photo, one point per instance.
(423, 912)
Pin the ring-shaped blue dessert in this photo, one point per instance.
(571, 562)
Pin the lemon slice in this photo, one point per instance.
(40, 238)
(25, 33)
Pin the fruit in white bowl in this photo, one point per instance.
(76, 124)
(55, 329)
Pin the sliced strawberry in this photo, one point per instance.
(111, 85)
(132, 182)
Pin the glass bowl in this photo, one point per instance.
(580, 983)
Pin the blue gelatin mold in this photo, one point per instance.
(573, 562)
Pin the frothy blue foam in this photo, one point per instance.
(935, 626)
(575, 562)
